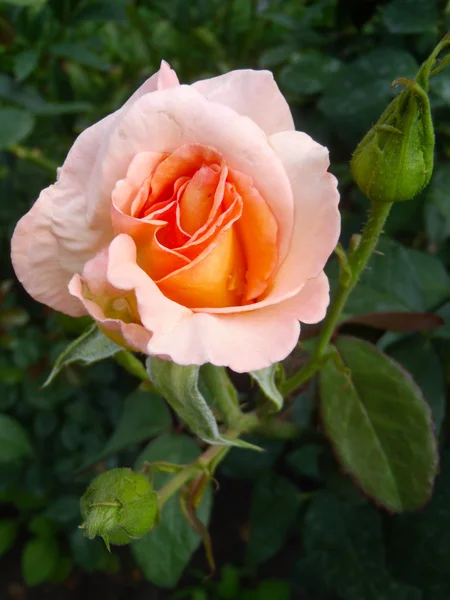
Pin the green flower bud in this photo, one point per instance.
(394, 161)
(119, 506)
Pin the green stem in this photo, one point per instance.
(210, 458)
(277, 429)
(224, 395)
(357, 263)
(34, 155)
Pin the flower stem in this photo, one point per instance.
(357, 262)
(209, 460)
(224, 395)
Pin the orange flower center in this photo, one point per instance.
(203, 232)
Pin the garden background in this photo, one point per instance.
(286, 523)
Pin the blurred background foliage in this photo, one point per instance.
(286, 523)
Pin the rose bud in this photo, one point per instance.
(119, 506)
(394, 161)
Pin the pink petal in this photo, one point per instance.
(157, 312)
(244, 341)
(252, 94)
(59, 233)
(311, 303)
(317, 221)
(131, 335)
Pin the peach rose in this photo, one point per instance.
(192, 224)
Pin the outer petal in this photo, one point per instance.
(57, 236)
(131, 334)
(311, 303)
(317, 221)
(253, 94)
(157, 312)
(244, 341)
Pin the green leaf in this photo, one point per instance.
(228, 585)
(15, 125)
(433, 277)
(65, 509)
(14, 441)
(8, 533)
(418, 546)
(443, 332)
(24, 2)
(101, 11)
(62, 570)
(437, 206)
(50, 109)
(305, 461)
(410, 16)
(39, 559)
(163, 553)
(309, 73)
(275, 504)
(42, 526)
(144, 416)
(90, 555)
(79, 53)
(179, 386)
(89, 348)
(265, 378)
(250, 465)
(25, 63)
(271, 589)
(360, 91)
(344, 544)
(379, 425)
(418, 356)
(275, 56)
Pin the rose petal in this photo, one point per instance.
(56, 237)
(130, 194)
(164, 121)
(258, 233)
(246, 341)
(311, 303)
(131, 335)
(157, 312)
(115, 272)
(317, 221)
(216, 279)
(253, 94)
(316, 217)
(197, 200)
(243, 342)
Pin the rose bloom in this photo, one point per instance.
(193, 224)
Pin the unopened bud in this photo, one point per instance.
(394, 161)
(119, 506)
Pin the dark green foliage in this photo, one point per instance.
(299, 527)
